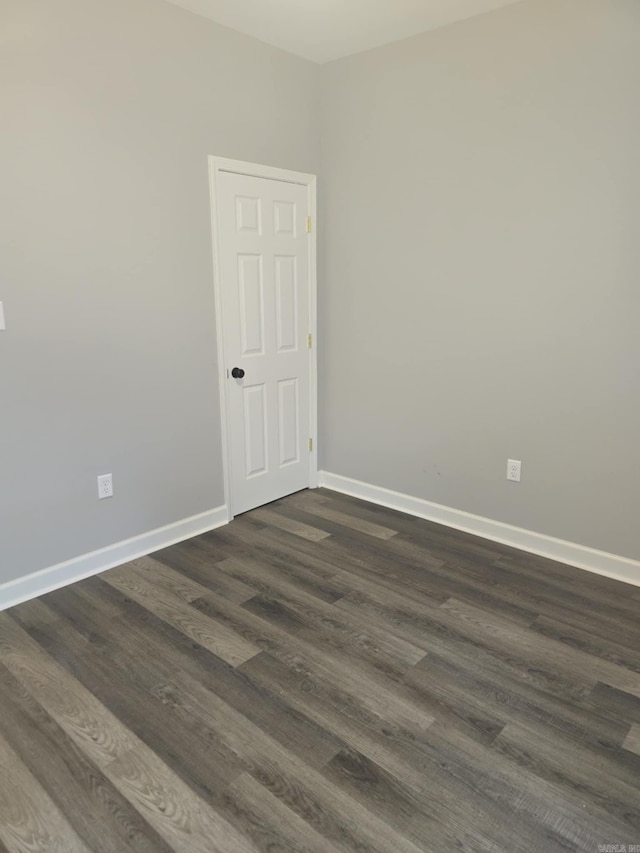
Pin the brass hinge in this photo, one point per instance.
(308, 226)
(310, 445)
(309, 340)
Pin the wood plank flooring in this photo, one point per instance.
(323, 675)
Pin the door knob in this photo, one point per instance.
(237, 373)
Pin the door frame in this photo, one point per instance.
(255, 170)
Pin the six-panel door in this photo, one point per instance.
(264, 263)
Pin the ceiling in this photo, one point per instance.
(323, 30)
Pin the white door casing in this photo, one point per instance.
(264, 274)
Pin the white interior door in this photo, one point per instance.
(264, 270)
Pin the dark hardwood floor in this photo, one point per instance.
(323, 674)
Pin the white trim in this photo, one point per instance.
(590, 559)
(46, 580)
(313, 328)
(222, 379)
(256, 170)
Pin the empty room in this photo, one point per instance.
(319, 426)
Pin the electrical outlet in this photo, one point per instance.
(514, 468)
(105, 486)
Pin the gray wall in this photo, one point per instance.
(109, 109)
(479, 290)
(482, 271)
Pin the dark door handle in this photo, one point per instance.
(237, 373)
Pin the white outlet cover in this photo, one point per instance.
(105, 486)
(514, 470)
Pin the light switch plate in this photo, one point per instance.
(2, 325)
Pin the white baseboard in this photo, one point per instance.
(62, 574)
(599, 562)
